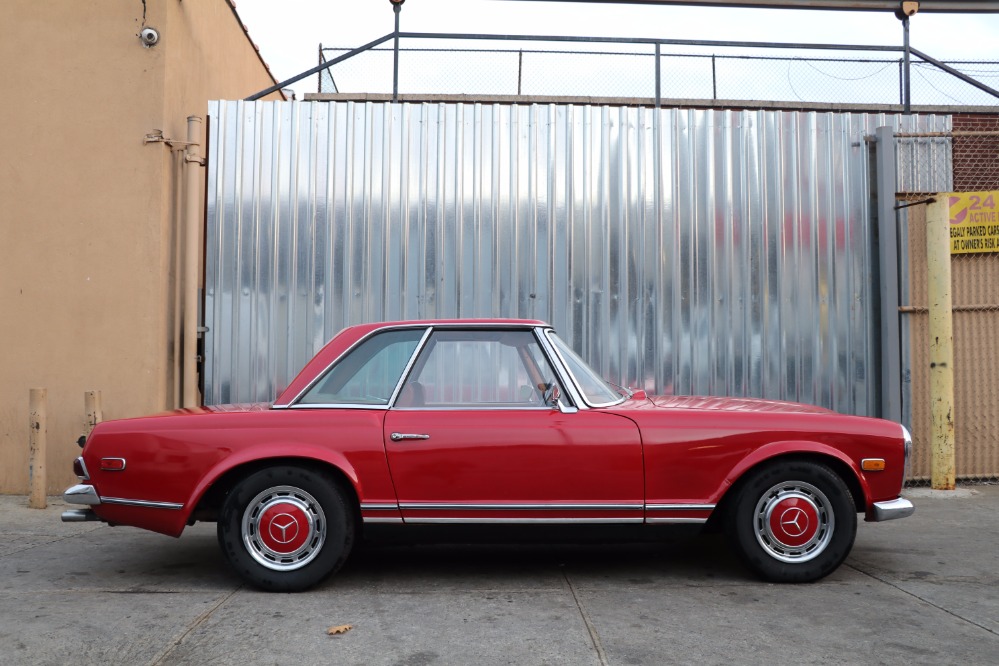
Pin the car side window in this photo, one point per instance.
(478, 369)
(367, 374)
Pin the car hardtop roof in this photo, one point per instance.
(349, 336)
(374, 326)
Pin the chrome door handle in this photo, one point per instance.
(399, 436)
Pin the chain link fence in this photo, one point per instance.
(964, 159)
(631, 72)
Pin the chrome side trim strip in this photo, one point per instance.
(521, 520)
(386, 520)
(481, 407)
(82, 493)
(423, 506)
(147, 504)
(379, 506)
(680, 507)
(892, 509)
(698, 521)
(333, 405)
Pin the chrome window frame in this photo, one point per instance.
(558, 365)
(527, 328)
(295, 402)
(575, 383)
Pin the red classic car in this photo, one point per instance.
(488, 422)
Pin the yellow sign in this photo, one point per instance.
(974, 222)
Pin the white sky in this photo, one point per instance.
(289, 32)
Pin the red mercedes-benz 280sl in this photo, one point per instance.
(488, 422)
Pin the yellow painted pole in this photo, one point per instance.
(941, 343)
(37, 399)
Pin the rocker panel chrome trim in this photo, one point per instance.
(146, 504)
(521, 520)
(423, 506)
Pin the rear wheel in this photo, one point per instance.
(793, 521)
(286, 528)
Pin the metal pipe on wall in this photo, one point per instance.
(93, 405)
(192, 261)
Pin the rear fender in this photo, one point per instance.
(258, 456)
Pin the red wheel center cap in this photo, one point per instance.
(284, 527)
(794, 521)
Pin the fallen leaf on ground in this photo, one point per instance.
(339, 629)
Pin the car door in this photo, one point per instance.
(471, 439)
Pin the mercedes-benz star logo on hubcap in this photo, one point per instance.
(794, 521)
(283, 528)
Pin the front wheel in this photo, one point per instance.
(793, 521)
(286, 528)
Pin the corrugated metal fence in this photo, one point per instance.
(684, 251)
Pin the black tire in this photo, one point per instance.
(792, 521)
(285, 529)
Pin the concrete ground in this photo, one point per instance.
(924, 590)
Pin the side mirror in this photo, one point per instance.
(552, 394)
(552, 397)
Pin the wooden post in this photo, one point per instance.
(37, 399)
(942, 473)
(95, 412)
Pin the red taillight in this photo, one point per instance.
(112, 464)
(80, 469)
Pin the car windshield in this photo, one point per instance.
(595, 390)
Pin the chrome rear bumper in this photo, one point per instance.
(82, 493)
(890, 510)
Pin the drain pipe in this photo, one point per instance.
(192, 262)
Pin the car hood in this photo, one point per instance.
(712, 403)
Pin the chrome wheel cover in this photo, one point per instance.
(794, 522)
(283, 528)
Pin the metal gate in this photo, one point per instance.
(684, 251)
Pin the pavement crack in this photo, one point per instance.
(198, 621)
(592, 630)
(54, 539)
(891, 584)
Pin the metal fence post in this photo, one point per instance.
(942, 472)
(887, 229)
(37, 406)
(714, 79)
(397, 9)
(658, 77)
(907, 79)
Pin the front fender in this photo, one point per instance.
(778, 449)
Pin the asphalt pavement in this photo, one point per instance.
(923, 590)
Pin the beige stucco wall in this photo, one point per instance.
(88, 212)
